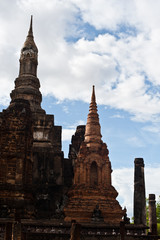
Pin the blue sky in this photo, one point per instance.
(125, 138)
(114, 45)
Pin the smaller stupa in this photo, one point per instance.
(92, 196)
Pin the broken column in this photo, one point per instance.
(152, 214)
(139, 192)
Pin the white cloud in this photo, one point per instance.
(112, 14)
(65, 109)
(154, 128)
(81, 122)
(105, 14)
(77, 123)
(117, 116)
(96, 62)
(67, 134)
(152, 180)
(124, 68)
(136, 142)
(123, 181)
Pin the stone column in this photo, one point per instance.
(152, 214)
(139, 192)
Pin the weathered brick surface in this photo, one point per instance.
(16, 140)
(92, 197)
(15, 144)
(31, 159)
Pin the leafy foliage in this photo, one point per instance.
(158, 210)
(158, 215)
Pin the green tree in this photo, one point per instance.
(158, 215)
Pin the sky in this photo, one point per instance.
(112, 44)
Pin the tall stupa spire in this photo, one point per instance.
(93, 129)
(27, 84)
(29, 54)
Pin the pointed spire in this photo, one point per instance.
(30, 32)
(93, 98)
(29, 43)
(29, 55)
(93, 105)
(27, 84)
(93, 129)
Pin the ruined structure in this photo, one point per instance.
(74, 147)
(152, 214)
(92, 197)
(139, 192)
(41, 192)
(31, 160)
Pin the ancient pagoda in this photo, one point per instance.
(27, 84)
(92, 197)
(31, 159)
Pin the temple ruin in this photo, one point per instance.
(46, 196)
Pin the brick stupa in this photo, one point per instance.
(92, 197)
(31, 160)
